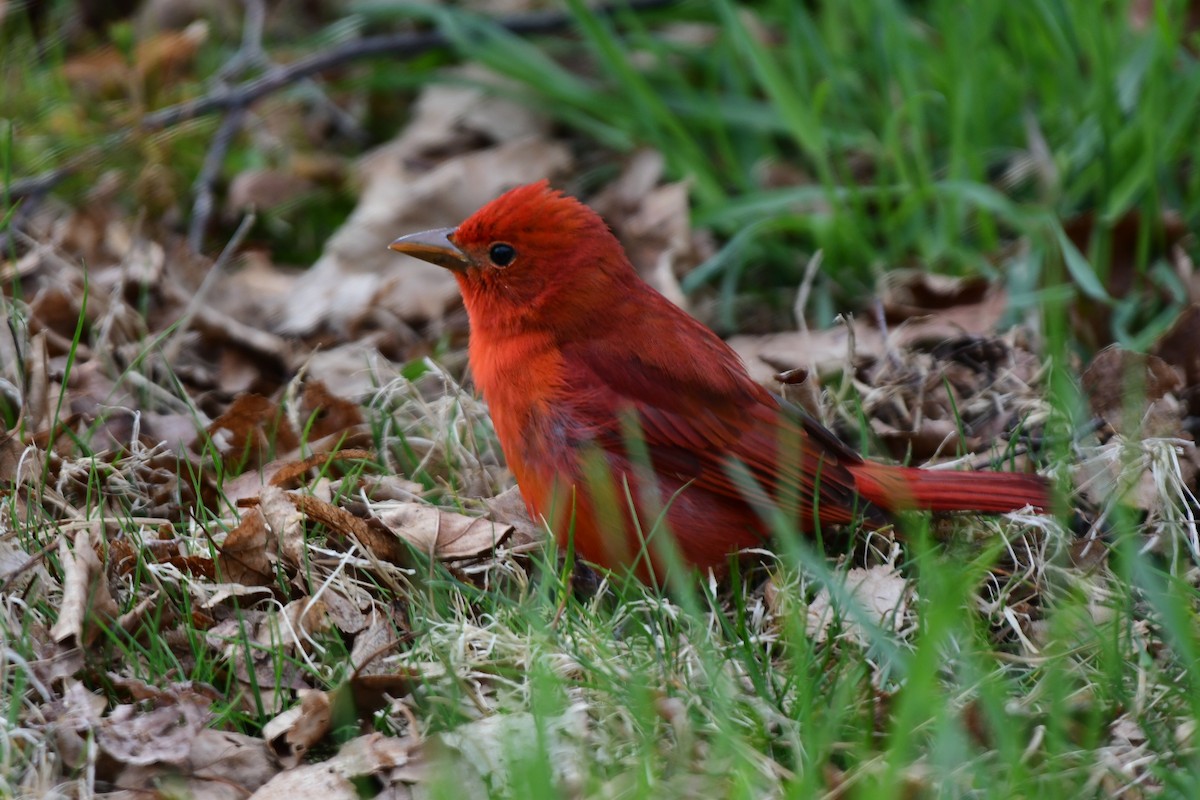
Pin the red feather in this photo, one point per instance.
(615, 408)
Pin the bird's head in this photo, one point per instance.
(531, 254)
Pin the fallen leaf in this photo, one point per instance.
(323, 413)
(826, 352)
(1134, 393)
(162, 735)
(433, 175)
(881, 596)
(485, 754)
(87, 606)
(252, 427)
(927, 308)
(1180, 345)
(220, 765)
(249, 552)
(442, 534)
(653, 222)
(387, 761)
(292, 734)
(509, 508)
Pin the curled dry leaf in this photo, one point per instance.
(373, 644)
(323, 413)
(72, 716)
(930, 308)
(342, 524)
(87, 604)
(293, 733)
(286, 472)
(286, 523)
(389, 763)
(509, 508)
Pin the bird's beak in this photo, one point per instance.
(434, 246)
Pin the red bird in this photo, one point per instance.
(624, 418)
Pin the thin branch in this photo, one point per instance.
(404, 45)
(408, 45)
(202, 206)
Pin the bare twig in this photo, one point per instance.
(250, 55)
(403, 45)
(202, 205)
(408, 45)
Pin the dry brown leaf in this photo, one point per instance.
(509, 508)
(388, 761)
(357, 368)
(323, 413)
(932, 438)
(248, 554)
(17, 568)
(72, 716)
(653, 222)
(350, 615)
(381, 638)
(826, 352)
(289, 475)
(287, 469)
(433, 175)
(442, 534)
(138, 691)
(1180, 345)
(1134, 393)
(220, 765)
(286, 523)
(342, 524)
(379, 488)
(87, 605)
(250, 428)
(881, 594)
(41, 396)
(371, 693)
(266, 667)
(293, 733)
(927, 308)
(162, 735)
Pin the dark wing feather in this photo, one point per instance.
(698, 421)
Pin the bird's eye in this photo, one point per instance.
(502, 254)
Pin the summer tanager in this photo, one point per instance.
(624, 419)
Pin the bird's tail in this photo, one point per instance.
(908, 488)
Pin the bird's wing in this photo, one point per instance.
(712, 427)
